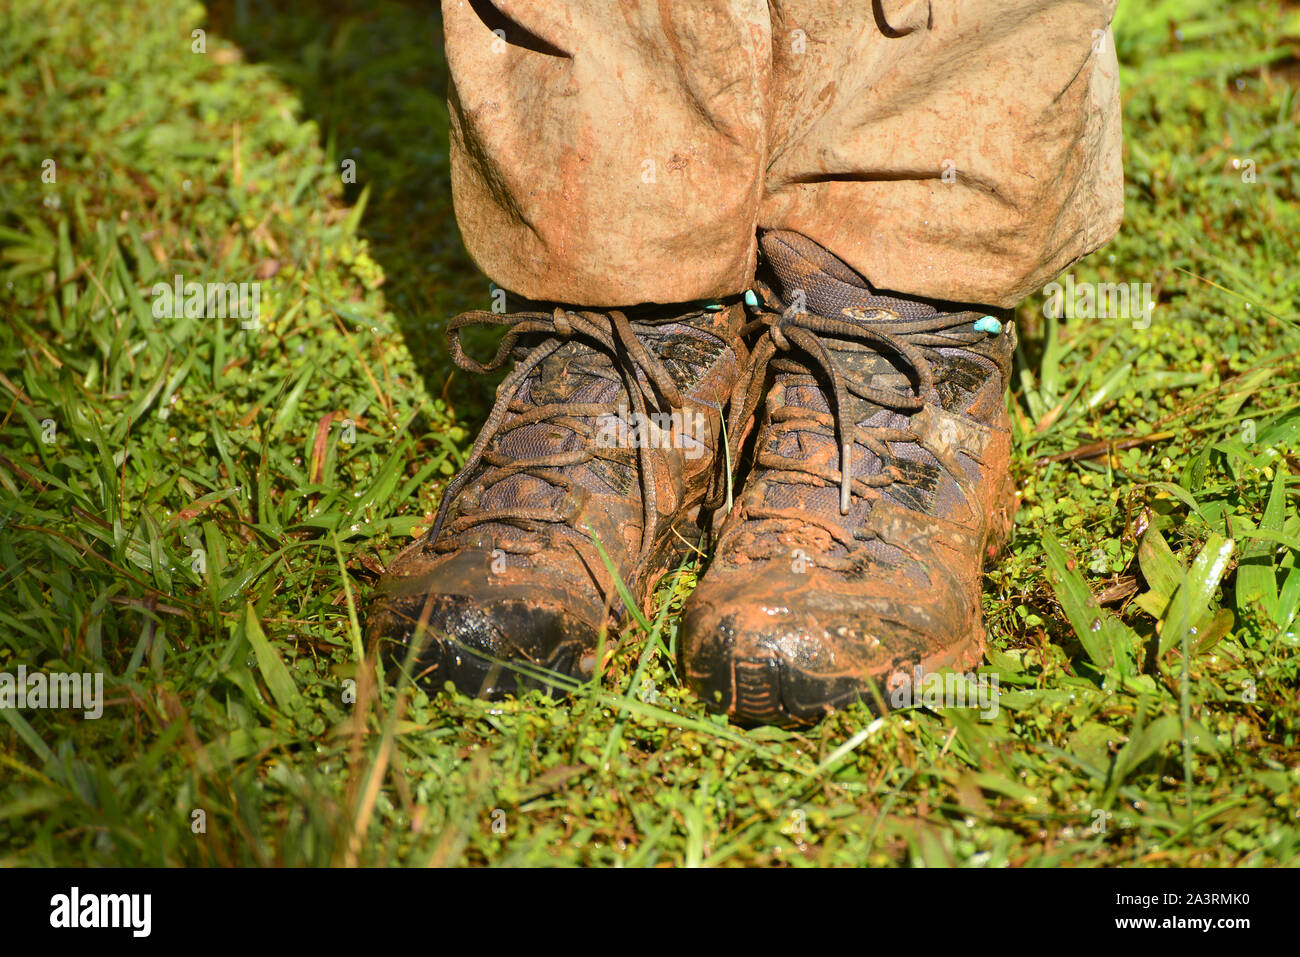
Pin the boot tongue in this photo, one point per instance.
(809, 276)
(812, 277)
(559, 376)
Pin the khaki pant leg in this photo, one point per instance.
(1017, 101)
(609, 153)
(612, 153)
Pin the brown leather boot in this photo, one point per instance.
(879, 485)
(606, 428)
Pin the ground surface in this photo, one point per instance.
(199, 510)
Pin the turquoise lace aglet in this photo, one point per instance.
(988, 324)
(751, 300)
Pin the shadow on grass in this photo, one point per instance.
(373, 77)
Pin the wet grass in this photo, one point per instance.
(198, 510)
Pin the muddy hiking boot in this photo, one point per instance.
(606, 428)
(879, 485)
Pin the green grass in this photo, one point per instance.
(199, 510)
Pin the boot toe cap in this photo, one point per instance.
(488, 635)
(787, 657)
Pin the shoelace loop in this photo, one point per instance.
(613, 338)
(914, 341)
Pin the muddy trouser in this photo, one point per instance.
(614, 152)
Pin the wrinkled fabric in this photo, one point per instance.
(613, 152)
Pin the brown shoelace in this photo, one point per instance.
(618, 356)
(915, 341)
